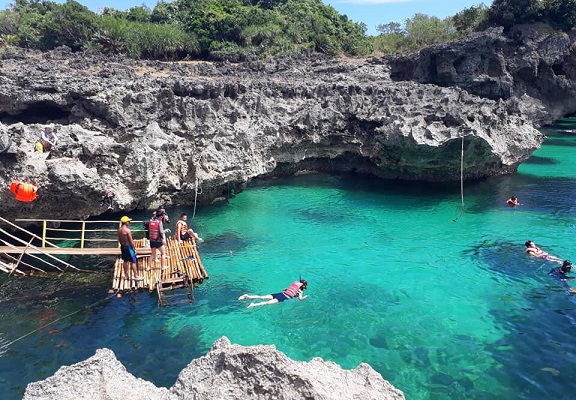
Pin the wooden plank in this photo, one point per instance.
(72, 251)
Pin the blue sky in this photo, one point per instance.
(371, 12)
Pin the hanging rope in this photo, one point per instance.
(461, 181)
(196, 191)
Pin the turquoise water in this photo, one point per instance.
(443, 309)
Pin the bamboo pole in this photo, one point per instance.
(42, 252)
(10, 256)
(33, 256)
(9, 268)
(20, 258)
(26, 231)
(82, 235)
(44, 223)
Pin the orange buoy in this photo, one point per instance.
(23, 191)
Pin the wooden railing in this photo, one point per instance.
(81, 234)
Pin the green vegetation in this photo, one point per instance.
(216, 29)
(250, 29)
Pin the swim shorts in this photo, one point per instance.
(128, 254)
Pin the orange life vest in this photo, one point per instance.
(183, 227)
(24, 191)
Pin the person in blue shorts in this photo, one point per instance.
(128, 250)
(296, 289)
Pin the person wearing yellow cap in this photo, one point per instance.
(127, 249)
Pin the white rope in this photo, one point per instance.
(195, 196)
(461, 181)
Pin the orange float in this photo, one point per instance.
(25, 192)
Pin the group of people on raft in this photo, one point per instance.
(156, 234)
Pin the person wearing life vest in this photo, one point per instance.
(157, 236)
(25, 192)
(184, 232)
(296, 289)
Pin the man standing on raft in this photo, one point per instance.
(127, 249)
(296, 289)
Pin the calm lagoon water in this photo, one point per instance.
(443, 309)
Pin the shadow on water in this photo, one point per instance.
(546, 319)
(225, 243)
(536, 160)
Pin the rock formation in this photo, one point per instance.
(156, 132)
(227, 372)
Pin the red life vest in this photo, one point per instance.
(23, 191)
(293, 289)
(154, 230)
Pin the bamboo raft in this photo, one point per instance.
(184, 270)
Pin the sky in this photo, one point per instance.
(370, 12)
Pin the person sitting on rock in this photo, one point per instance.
(48, 138)
(184, 232)
(296, 289)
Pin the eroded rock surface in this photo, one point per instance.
(155, 132)
(227, 372)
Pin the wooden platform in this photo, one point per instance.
(71, 251)
(182, 259)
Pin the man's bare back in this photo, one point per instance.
(125, 236)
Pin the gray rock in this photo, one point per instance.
(101, 377)
(155, 133)
(227, 372)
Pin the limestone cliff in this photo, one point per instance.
(227, 372)
(155, 132)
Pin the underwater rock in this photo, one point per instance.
(227, 372)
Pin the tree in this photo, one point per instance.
(470, 19)
(509, 12)
(70, 24)
(560, 13)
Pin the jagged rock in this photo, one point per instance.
(155, 132)
(227, 372)
(530, 62)
(101, 377)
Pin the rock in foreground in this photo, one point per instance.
(227, 372)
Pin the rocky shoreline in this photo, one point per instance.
(227, 372)
(155, 132)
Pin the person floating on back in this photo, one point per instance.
(184, 232)
(535, 251)
(513, 201)
(296, 289)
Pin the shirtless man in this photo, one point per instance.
(536, 251)
(127, 249)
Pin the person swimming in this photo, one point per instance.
(513, 201)
(536, 251)
(296, 289)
